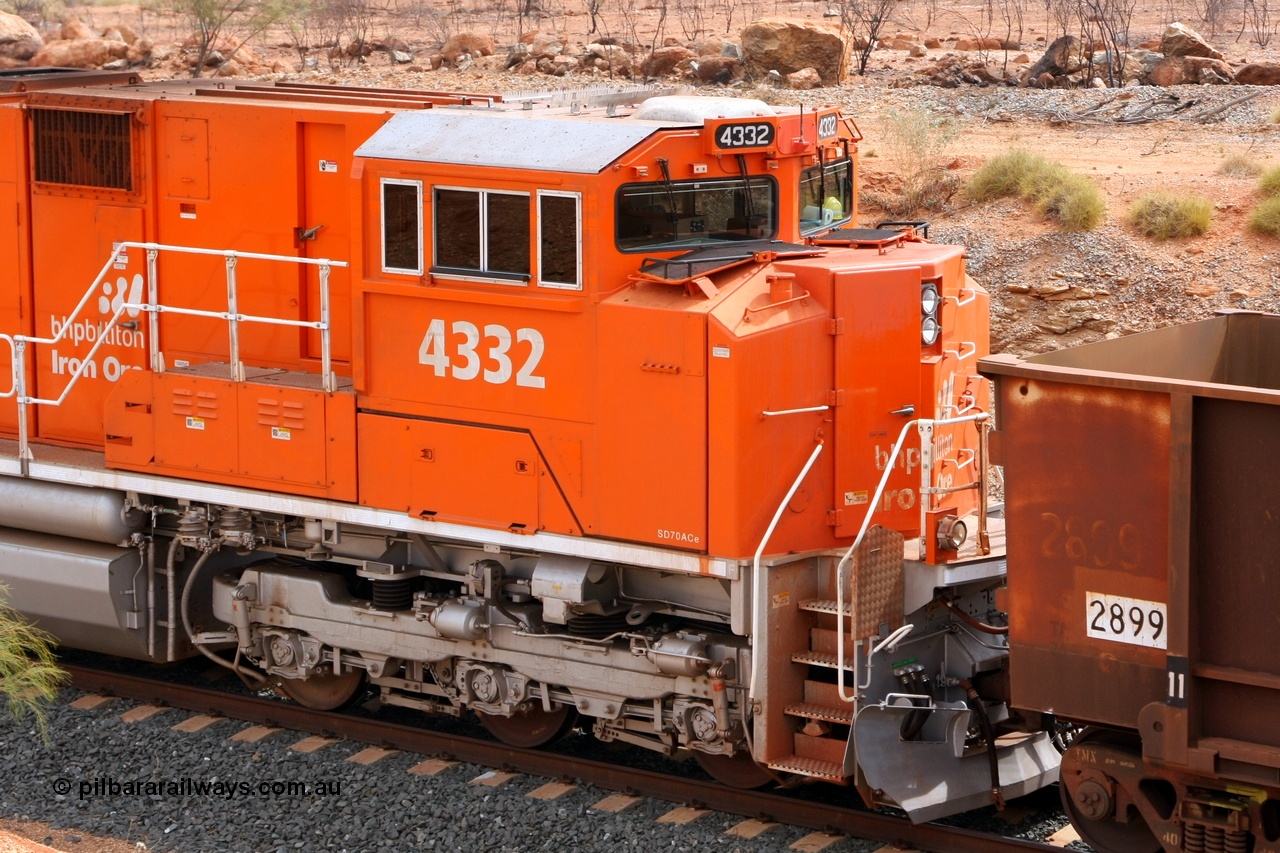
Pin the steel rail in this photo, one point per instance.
(852, 822)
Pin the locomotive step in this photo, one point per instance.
(823, 605)
(826, 713)
(821, 659)
(830, 771)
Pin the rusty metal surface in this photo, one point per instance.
(766, 806)
(1087, 478)
(1158, 446)
(1236, 585)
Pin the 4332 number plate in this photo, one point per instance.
(1126, 620)
(744, 135)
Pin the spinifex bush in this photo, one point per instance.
(1057, 192)
(1164, 216)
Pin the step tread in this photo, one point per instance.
(822, 605)
(813, 711)
(819, 659)
(829, 770)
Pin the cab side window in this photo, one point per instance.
(401, 226)
(559, 243)
(483, 233)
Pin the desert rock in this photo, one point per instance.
(18, 39)
(1181, 40)
(785, 45)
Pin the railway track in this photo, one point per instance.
(701, 794)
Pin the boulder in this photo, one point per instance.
(805, 78)
(932, 43)
(518, 55)
(73, 29)
(471, 44)
(664, 60)
(141, 52)
(18, 39)
(1064, 56)
(987, 43)
(1181, 40)
(1175, 70)
(1259, 74)
(716, 69)
(544, 44)
(918, 51)
(608, 57)
(786, 45)
(80, 53)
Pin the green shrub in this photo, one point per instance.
(1057, 192)
(29, 674)
(1163, 216)
(1239, 164)
(1003, 175)
(1269, 183)
(1265, 218)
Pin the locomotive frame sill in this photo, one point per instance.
(79, 467)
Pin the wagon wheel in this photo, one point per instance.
(739, 770)
(530, 726)
(323, 691)
(1090, 807)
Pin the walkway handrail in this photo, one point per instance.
(924, 427)
(119, 254)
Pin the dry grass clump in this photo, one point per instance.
(1265, 218)
(1165, 216)
(1239, 164)
(1056, 191)
(914, 144)
(29, 672)
(1269, 183)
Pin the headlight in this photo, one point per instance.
(930, 302)
(929, 299)
(929, 331)
(951, 533)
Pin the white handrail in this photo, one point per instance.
(922, 425)
(13, 361)
(119, 254)
(755, 565)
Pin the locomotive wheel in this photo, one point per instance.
(1088, 804)
(531, 727)
(739, 770)
(323, 692)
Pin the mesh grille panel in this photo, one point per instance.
(83, 149)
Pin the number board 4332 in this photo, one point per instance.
(742, 135)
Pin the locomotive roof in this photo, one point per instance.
(512, 139)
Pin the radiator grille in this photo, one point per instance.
(84, 149)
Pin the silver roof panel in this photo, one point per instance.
(513, 140)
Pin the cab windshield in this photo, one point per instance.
(826, 196)
(682, 214)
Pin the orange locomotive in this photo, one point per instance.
(560, 407)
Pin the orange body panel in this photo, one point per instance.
(461, 473)
(261, 434)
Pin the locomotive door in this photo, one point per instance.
(877, 373)
(324, 232)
